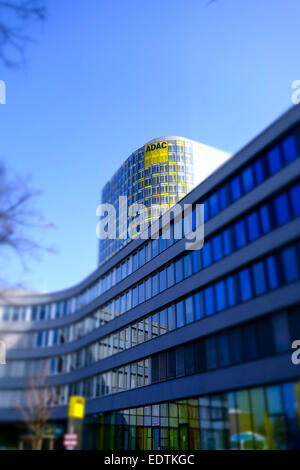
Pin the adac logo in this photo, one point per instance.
(157, 146)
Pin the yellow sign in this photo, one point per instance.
(76, 407)
(156, 153)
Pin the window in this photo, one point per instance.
(211, 353)
(217, 247)
(141, 293)
(209, 301)
(170, 275)
(155, 284)
(290, 264)
(282, 209)
(171, 318)
(198, 309)
(187, 264)
(196, 261)
(223, 350)
(162, 280)
(231, 291)
(240, 234)
(249, 342)
(179, 314)
(245, 284)
(289, 149)
(295, 199)
(236, 348)
(206, 254)
(134, 262)
(189, 310)
(223, 196)
(134, 296)
(265, 218)
(272, 272)
(253, 226)
(221, 296)
(154, 248)
(260, 170)
(227, 241)
(178, 271)
(235, 188)
(260, 285)
(214, 204)
(247, 178)
(274, 160)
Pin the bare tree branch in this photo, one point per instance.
(19, 221)
(13, 40)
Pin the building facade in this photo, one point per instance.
(177, 349)
(156, 175)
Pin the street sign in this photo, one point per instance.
(70, 440)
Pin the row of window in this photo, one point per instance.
(257, 418)
(253, 340)
(262, 168)
(261, 277)
(279, 210)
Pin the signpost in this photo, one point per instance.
(70, 441)
(73, 438)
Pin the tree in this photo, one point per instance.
(19, 220)
(14, 17)
(36, 411)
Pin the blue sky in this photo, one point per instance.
(104, 77)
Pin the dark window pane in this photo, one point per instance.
(245, 284)
(235, 188)
(209, 301)
(178, 271)
(189, 357)
(179, 314)
(265, 218)
(249, 342)
(187, 265)
(231, 290)
(189, 310)
(154, 246)
(248, 180)
(180, 361)
(214, 204)
(162, 280)
(265, 337)
(282, 209)
(260, 170)
(217, 247)
(221, 296)
(228, 241)
(198, 309)
(272, 272)
(223, 197)
(206, 254)
(170, 275)
(260, 285)
(295, 199)
(196, 260)
(171, 363)
(155, 284)
(211, 352)
(290, 264)
(223, 350)
(274, 160)
(253, 226)
(240, 234)
(236, 349)
(289, 148)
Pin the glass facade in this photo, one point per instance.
(163, 314)
(260, 418)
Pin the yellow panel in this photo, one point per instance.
(76, 407)
(156, 153)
